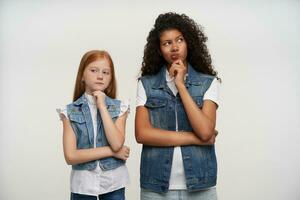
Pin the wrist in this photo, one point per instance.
(190, 138)
(101, 105)
(180, 85)
(113, 154)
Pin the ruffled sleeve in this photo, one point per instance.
(62, 113)
(124, 107)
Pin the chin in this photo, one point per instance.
(98, 89)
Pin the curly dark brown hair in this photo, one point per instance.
(198, 55)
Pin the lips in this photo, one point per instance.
(174, 56)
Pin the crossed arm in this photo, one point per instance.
(202, 120)
(75, 156)
(145, 133)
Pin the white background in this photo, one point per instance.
(254, 46)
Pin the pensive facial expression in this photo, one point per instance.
(97, 75)
(173, 46)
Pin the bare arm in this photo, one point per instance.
(203, 121)
(114, 131)
(145, 133)
(75, 156)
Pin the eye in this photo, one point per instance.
(165, 44)
(93, 70)
(180, 40)
(106, 72)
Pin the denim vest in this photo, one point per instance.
(200, 164)
(81, 121)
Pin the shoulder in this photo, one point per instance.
(200, 79)
(111, 101)
(66, 110)
(206, 76)
(75, 106)
(147, 78)
(72, 108)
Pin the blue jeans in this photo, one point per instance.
(114, 195)
(208, 194)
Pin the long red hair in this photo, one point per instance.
(88, 58)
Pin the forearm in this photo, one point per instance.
(114, 136)
(159, 137)
(203, 126)
(145, 133)
(78, 156)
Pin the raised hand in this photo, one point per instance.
(178, 70)
(100, 98)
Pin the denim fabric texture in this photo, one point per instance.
(82, 124)
(200, 164)
(115, 195)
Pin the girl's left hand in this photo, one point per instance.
(100, 98)
(178, 70)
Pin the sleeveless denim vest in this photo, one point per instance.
(81, 121)
(200, 164)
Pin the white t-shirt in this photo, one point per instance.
(97, 181)
(177, 178)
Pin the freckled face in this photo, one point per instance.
(97, 76)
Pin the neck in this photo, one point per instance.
(88, 92)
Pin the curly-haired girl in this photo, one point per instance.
(177, 99)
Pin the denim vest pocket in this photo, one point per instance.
(77, 118)
(79, 126)
(195, 83)
(158, 111)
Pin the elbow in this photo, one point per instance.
(116, 148)
(118, 145)
(206, 135)
(141, 134)
(205, 138)
(142, 130)
(70, 159)
(139, 137)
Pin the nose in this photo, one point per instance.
(174, 47)
(100, 75)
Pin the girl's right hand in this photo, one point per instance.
(123, 153)
(178, 70)
(100, 98)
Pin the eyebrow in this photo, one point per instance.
(99, 67)
(175, 38)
